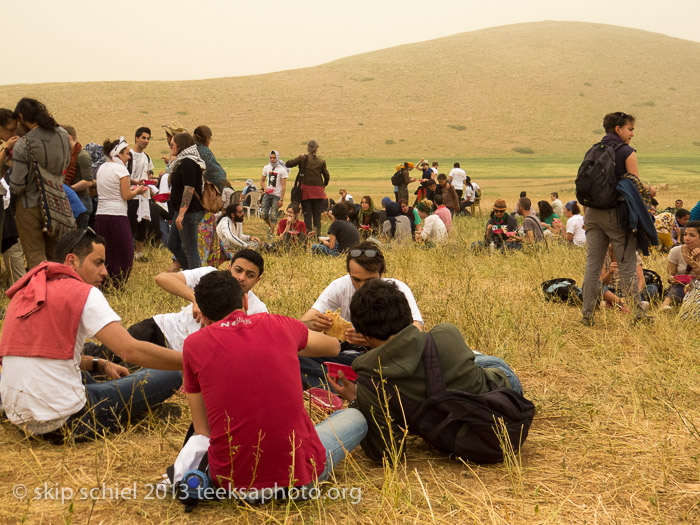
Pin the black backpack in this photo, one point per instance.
(596, 180)
(654, 289)
(397, 178)
(562, 290)
(460, 423)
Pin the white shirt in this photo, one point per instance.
(177, 326)
(558, 207)
(458, 175)
(109, 191)
(339, 293)
(140, 165)
(230, 233)
(273, 178)
(575, 225)
(38, 393)
(470, 193)
(434, 230)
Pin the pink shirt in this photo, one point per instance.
(444, 213)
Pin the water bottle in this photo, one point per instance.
(194, 483)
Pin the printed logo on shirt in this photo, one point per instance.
(235, 322)
(272, 179)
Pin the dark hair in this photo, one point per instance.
(6, 115)
(202, 134)
(556, 195)
(379, 309)
(431, 182)
(142, 130)
(523, 194)
(35, 112)
(692, 224)
(435, 163)
(681, 212)
(229, 210)
(368, 199)
(572, 206)
(545, 209)
(295, 207)
(77, 242)
(252, 256)
(371, 264)
(340, 212)
(218, 294)
(71, 131)
(525, 203)
(442, 176)
(183, 141)
(437, 199)
(108, 146)
(612, 120)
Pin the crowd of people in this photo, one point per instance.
(48, 383)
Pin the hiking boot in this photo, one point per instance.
(587, 321)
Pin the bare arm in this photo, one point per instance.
(127, 192)
(115, 337)
(82, 185)
(176, 284)
(331, 242)
(198, 411)
(320, 345)
(631, 164)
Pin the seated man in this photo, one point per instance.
(342, 234)
(53, 310)
(172, 329)
(245, 393)
(229, 229)
(381, 313)
(531, 226)
(364, 261)
(501, 228)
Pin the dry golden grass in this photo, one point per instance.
(543, 86)
(615, 439)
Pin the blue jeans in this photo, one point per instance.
(489, 361)
(339, 434)
(183, 243)
(322, 249)
(269, 207)
(113, 403)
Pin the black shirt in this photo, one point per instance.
(345, 234)
(188, 173)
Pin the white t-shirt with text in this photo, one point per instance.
(273, 178)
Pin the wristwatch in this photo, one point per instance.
(95, 364)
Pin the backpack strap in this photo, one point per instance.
(434, 382)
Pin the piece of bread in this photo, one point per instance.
(339, 325)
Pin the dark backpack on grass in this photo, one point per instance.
(563, 290)
(596, 179)
(654, 289)
(460, 423)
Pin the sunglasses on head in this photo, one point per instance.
(623, 116)
(366, 253)
(81, 237)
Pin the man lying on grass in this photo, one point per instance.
(52, 311)
(172, 329)
(364, 261)
(381, 313)
(245, 393)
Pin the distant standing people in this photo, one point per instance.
(139, 209)
(186, 168)
(449, 195)
(51, 149)
(111, 220)
(79, 176)
(457, 176)
(405, 179)
(313, 184)
(274, 183)
(213, 172)
(557, 205)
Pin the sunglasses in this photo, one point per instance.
(623, 116)
(366, 253)
(81, 237)
(499, 211)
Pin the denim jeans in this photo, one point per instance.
(269, 207)
(489, 361)
(339, 434)
(113, 403)
(183, 243)
(322, 249)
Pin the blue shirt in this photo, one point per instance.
(76, 206)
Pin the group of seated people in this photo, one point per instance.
(239, 363)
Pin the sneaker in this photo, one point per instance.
(587, 321)
(645, 305)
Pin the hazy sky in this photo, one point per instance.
(54, 41)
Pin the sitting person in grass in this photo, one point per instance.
(342, 234)
(47, 388)
(434, 231)
(364, 261)
(366, 219)
(610, 282)
(531, 225)
(683, 266)
(382, 314)
(292, 229)
(397, 225)
(669, 227)
(550, 221)
(412, 215)
(244, 392)
(229, 229)
(443, 212)
(501, 228)
(575, 230)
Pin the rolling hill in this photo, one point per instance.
(537, 87)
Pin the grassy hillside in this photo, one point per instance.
(540, 87)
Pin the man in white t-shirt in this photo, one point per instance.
(365, 261)
(557, 205)
(171, 329)
(274, 184)
(46, 386)
(140, 167)
(456, 177)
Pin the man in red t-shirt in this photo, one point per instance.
(242, 378)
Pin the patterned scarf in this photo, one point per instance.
(188, 153)
(72, 165)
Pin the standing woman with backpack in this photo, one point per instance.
(315, 179)
(603, 225)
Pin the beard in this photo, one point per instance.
(236, 218)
